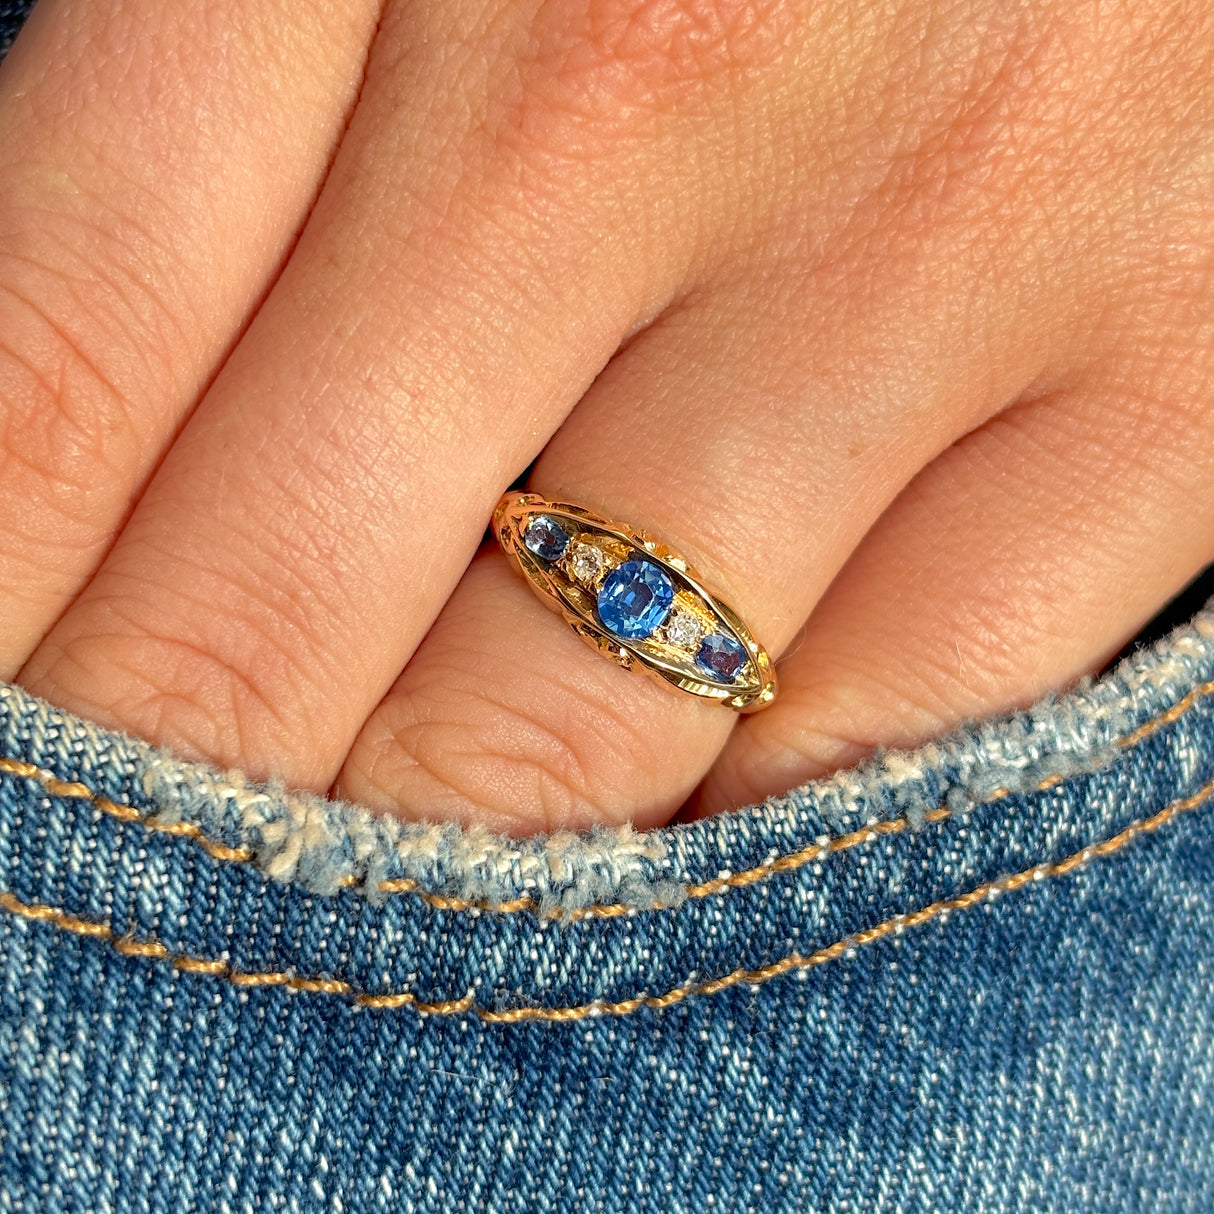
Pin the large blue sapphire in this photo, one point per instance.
(635, 598)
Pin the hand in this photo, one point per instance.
(897, 314)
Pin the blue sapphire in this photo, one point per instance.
(546, 537)
(635, 598)
(721, 655)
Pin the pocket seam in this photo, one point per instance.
(788, 862)
(154, 949)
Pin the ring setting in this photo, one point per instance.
(634, 600)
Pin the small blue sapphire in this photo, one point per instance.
(546, 537)
(635, 598)
(721, 655)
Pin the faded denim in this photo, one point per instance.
(972, 977)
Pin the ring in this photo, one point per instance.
(634, 600)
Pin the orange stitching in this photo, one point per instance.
(124, 813)
(1167, 717)
(756, 977)
(406, 885)
(751, 876)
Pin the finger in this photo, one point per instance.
(695, 434)
(452, 296)
(155, 162)
(489, 233)
(1024, 556)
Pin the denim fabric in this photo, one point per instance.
(972, 977)
(12, 14)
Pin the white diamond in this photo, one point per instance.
(586, 561)
(683, 629)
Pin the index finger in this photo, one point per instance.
(156, 161)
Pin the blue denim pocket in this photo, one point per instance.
(975, 976)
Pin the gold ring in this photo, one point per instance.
(634, 600)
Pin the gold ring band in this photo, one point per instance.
(634, 600)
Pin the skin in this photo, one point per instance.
(896, 318)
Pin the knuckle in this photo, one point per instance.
(62, 425)
(137, 686)
(602, 69)
(460, 755)
(990, 123)
(505, 773)
(78, 354)
(213, 688)
(1036, 114)
(659, 46)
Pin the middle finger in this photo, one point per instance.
(451, 297)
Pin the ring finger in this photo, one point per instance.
(763, 472)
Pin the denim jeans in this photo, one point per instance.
(974, 977)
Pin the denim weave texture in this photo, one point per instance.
(972, 977)
(12, 14)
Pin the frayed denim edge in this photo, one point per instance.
(1058, 737)
(324, 845)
